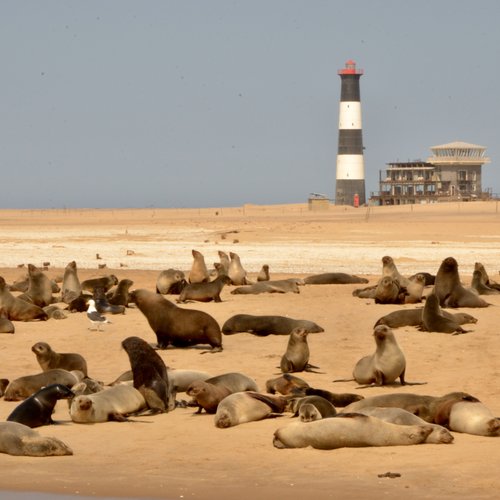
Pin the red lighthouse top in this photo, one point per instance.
(350, 69)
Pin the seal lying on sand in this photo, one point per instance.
(19, 440)
(16, 309)
(333, 279)
(350, 430)
(267, 325)
(114, 403)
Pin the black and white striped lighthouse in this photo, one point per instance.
(350, 184)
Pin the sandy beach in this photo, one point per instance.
(183, 455)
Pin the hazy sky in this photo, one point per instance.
(122, 103)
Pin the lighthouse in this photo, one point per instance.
(350, 178)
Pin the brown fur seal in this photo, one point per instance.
(71, 288)
(20, 440)
(324, 407)
(263, 273)
(413, 317)
(484, 276)
(337, 399)
(450, 291)
(386, 364)
(351, 430)
(389, 269)
(386, 291)
(236, 271)
(207, 396)
(204, 292)
(473, 418)
(39, 288)
(49, 359)
(36, 410)
(426, 407)
(224, 263)
(296, 357)
(267, 325)
(4, 383)
(104, 282)
(285, 384)
(434, 321)
(6, 326)
(149, 374)
(114, 403)
(121, 295)
(480, 286)
(241, 407)
(235, 381)
(199, 272)
(429, 278)
(23, 387)
(176, 326)
(399, 416)
(414, 289)
(171, 281)
(54, 312)
(333, 279)
(276, 286)
(16, 309)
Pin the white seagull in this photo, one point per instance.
(94, 317)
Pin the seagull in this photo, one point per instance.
(94, 317)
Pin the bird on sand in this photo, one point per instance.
(95, 317)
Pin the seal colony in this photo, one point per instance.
(230, 408)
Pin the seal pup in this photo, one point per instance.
(16, 309)
(114, 403)
(39, 288)
(414, 289)
(176, 326)
(23, 387)
(429, 278)
(324, 409)
(54, 312)
(434, 321)
(348, 430)
(36, 410)
(6, 326)
(267, 325)
(236, 272)
(149, 374)
(249, 406)
(204, 292)
(449, 290)
(170, 281)
(206, 396)
(121, 295)
(199, 272)
(333, 279)
(104, 282)
(399, 416)
(71, 288)
(263, 273)
(95, 317)
(386, 364)
(48, 359)
(20, 440)
(296, 357)
(485, 278)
